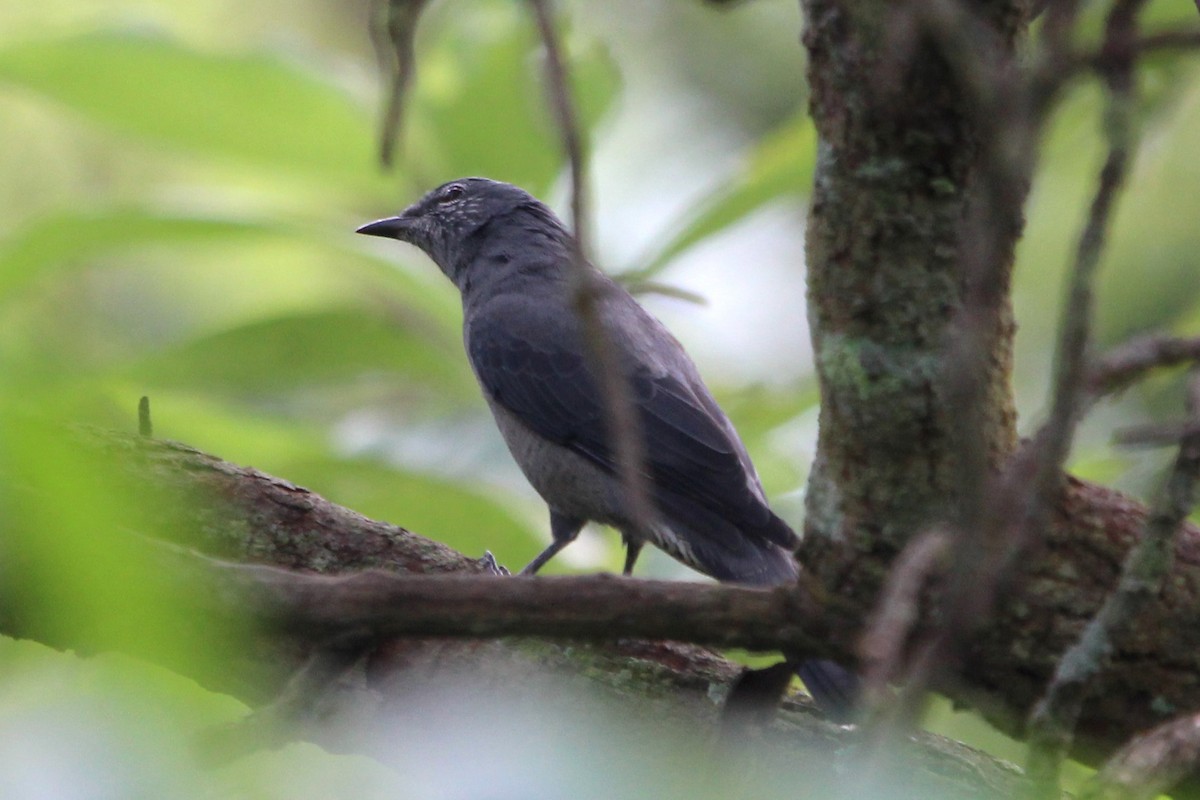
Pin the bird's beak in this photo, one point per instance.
(389, 228)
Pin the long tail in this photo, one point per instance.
(711, 544)
(834, 688)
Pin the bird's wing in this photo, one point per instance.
(536, 369)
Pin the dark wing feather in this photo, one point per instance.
(535, 368)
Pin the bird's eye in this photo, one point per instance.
(451, 193)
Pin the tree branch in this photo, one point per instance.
(1053, 720)
(894, 181)
(598, 608)
(1142, 576)
(1129, 362)
(311, 625)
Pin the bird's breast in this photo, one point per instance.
(567, 481)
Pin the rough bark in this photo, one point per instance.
(884, 280)
(884, 247)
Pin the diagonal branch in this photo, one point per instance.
(1056, 716)
(1129, 362)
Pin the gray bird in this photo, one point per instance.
(511, 258)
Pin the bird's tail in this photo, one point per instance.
(711, 544)
(758, 564)
(717, 548)
(834, 688)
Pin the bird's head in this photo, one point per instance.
(444, 221)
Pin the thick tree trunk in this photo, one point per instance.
(884, 252)
(885, 246)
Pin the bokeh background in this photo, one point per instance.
(179, 185)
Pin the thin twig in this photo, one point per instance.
(1054, 719)
(896, 613)
(1166, 41)
(1130, 361)
(563, 105)
(269, 726)
(394, 42)
(1156, 434)
(884, 648)
(1057, 433)
(620, 415)
(666, 290)
(145, 425)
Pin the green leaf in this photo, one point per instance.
(780, 165)
(595, 82)
(69, 516)
(305, 349)
(73, 240)
(458, 512)
(70, 239)
(480, 101)
(255, 108)
(758, 413)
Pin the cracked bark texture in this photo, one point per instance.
(892, 185)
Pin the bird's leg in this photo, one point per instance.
(533, 566)
(633, 548)
(564, 530)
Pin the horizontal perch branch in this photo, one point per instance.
(591, 607)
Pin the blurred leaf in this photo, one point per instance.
(72, 239)
(1148, 280)
(482, 97)
(455, 511)
(258, 109)
(305, 349)
(781, 164)
(756, 409)
(759, 413)
(76, 240)
(69, 549)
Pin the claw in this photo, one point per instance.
(489, 563)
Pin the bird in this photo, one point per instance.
(514, 263)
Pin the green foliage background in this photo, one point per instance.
(179, 186)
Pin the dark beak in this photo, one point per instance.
(389, 228)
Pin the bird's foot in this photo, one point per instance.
(490, 564)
